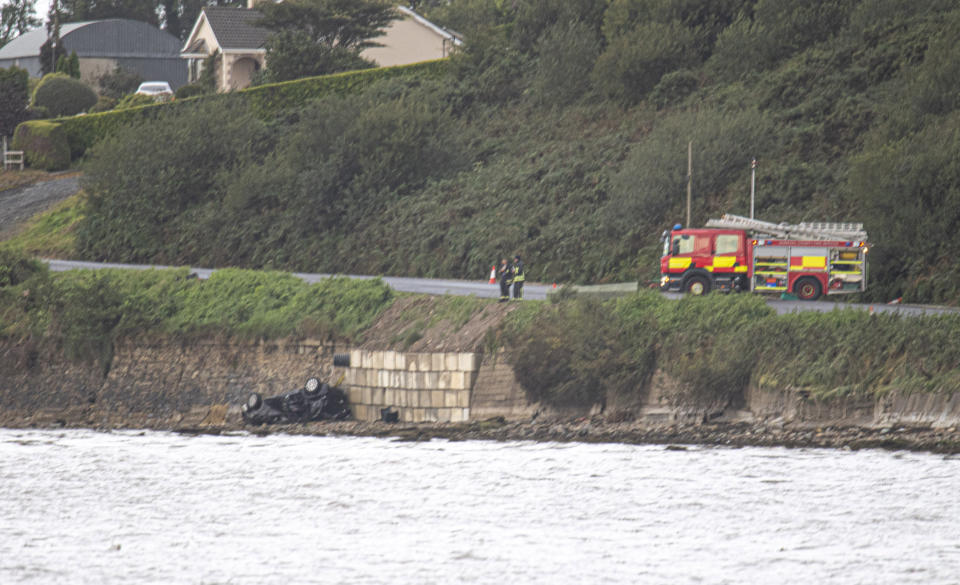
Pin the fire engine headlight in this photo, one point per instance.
(664, 280)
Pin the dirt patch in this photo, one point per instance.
(20, 204)
(414, 324)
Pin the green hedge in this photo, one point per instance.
(265, 101)
(44, 145)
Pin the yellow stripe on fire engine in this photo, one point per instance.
(815, 262)
(724, 261)
(679, 263)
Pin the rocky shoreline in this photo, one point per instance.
(588, 430)
(943, 441)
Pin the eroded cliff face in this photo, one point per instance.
(201, 384)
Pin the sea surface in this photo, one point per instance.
(86, 507)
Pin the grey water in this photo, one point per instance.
(79, 507)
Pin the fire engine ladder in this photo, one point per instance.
(812, 231)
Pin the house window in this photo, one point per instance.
(195, 66)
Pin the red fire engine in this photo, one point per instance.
(737, 254)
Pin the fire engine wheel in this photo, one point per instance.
(697, 285)
(808, 289)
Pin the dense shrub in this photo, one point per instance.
(16, 267)
(13, 99)
(575, 354)
(673, 87)
(44, 145)
(190, 90)
(581, 353)
(63, 95)
(151, 175)
(323, 177)
(135, 100)
(104, 104)
(634, 62)
(565, 56)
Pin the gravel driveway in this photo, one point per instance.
(20, 204)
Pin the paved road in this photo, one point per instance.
(532, 291)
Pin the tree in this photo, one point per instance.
(14, 97)
(179, 16)
(316, 37)
(50, 55)
(348, 24)
(119, 82)
(292, 55)
(16, 18)
(69, 65)
(81, 10)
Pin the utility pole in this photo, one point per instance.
(689, 178)
(753, 184)
(56, 36)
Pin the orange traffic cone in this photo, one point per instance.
(493, 274)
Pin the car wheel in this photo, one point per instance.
(808, 289)
(311, 387)
(254, 401)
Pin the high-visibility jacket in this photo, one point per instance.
(518, 274)
(506, 275)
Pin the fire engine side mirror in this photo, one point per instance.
(675, 249)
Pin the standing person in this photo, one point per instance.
(506, 279)
(518, 277)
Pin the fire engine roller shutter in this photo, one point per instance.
(808, 258)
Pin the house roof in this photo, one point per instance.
(114, 37)
(28, 44)
(234, 28)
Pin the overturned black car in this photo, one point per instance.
(315, 401)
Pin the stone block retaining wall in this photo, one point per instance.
(421, 387)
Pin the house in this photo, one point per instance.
(103, 45)
(234, 34)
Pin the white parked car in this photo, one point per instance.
(158, 90)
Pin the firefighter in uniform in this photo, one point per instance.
(506, 279)
(518, 277)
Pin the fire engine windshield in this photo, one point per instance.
(682, 244)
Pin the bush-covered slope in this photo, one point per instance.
(560, 132)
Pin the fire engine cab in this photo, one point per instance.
(736, 253)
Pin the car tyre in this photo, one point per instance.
(254, 401)
(312, 387)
